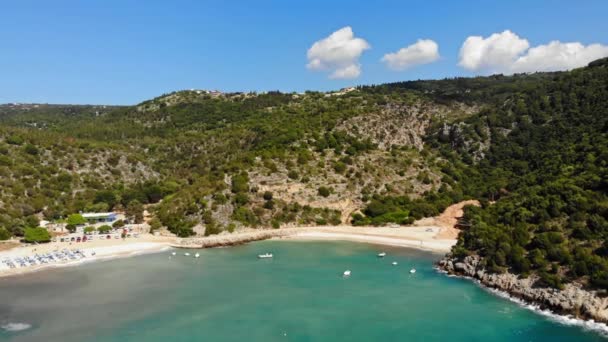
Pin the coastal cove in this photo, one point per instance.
(298, 295)
(422, 237)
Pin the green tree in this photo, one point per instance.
(38, 235)
(76, 219)
(135, 211)
(4, 234)
(155, 224)
(104, 229)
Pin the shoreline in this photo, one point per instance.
(437, 247)
(106, 250)
(570, 303)
(416, 237)
(561, 318)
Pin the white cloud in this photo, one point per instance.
(339, 53)
(422, 52)
(559, 56)
(495, 53)
(507, 53)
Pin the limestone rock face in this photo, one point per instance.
(572, 300)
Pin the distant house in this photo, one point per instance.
(99, 217)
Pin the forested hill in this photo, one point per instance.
(531, 147)
(539, 160)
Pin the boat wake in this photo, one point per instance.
(14, 327)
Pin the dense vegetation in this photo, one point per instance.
(536, 156)
(533, 148)
(543, 178)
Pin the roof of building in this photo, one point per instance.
(97, 215)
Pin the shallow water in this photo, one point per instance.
(299, 295)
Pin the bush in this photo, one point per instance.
(293, 174)
(155, 224)
(220, 198)
(71, 228)
(76, 219)
(340, 167)
(268, 195)
(37, 235)
(324, 191)
(4, 234)
(118, 224)
(14, 140)
(89, 230)
(104, 229)
(241, 199)
(240, 183)
(31, 149)
(245, 216)
(269, 205)
(212, 229)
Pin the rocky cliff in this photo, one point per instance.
(573, 299)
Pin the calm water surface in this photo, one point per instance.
(300, 295)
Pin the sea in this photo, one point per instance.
(301, 294)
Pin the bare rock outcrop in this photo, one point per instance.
(573, 299)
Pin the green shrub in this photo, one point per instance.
(324, 191)
(4, 234)
(267, 195)
(293, 174)
(39, 235)
(76, 219)
(104, 229)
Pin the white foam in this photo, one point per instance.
(13, 327)
(570, 320)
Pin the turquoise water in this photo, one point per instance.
(300, 295)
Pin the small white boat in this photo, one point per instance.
(174, 253)
(394, 263)
(197, 255)
(187, 254)
(381, 255)
(265, 256)
(413, 270)
(347, 273)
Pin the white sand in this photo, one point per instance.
(420, 237)
(424, 237)
(102, 249)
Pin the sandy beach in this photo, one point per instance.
(420, 237)
(93, 250)
(433, 234)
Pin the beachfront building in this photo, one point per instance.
(100, 217)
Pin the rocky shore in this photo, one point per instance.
(225, 240)
(571, 300)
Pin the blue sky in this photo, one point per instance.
(123, 52)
